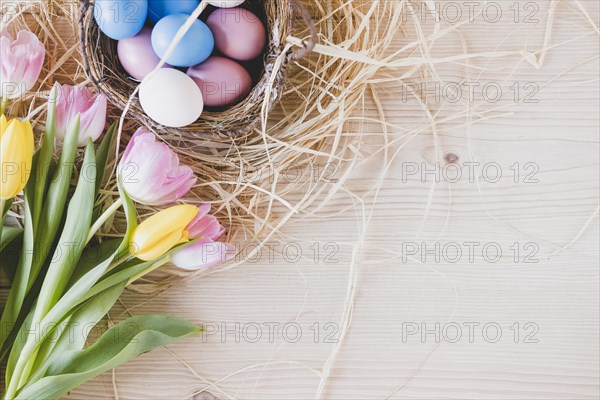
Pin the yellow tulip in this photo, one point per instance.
(16, 152)
(159, 233)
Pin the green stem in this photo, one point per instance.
(26, 359)
(103, 218)
(153, 267)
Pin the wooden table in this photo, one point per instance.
(417, 282)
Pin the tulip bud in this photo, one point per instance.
(21, 62)
(16, 153)
(150, 171)
(202, 254)
(205, 225)
(161, 232)
(205, 252)
(73, 100)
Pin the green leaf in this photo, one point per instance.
(9, 233)
(45, 157)
(68, 251)
(118, 345)
(17, 346)
(104, 154)
(91, 284)
(70, 245)
(130, 216)
(56, 315)
(18, 289)
(54, 201)
(92, 256)
(75, 295)
(79, 291)
(100, 298)
(7, 204)
(9, 256)
(74, 330)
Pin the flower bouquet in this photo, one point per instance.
(63, 280)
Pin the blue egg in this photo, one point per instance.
(196, 45)
(158, 9)
(120, 19)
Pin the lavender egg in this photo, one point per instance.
(238, 33)
(137, 55)
(223, 82)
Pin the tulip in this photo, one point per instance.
(161, 232)
(150, 171)
(73, 100)
(16, 152)
(21, 63)
(204, 225)
(202, 254)
(205, 252)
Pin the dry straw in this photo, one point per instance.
(299, 143)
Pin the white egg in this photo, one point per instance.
(225, 3)
(171, 98)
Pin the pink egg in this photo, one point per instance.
(137, 56)
(238, 33)
(222, 81)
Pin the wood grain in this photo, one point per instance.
(552, 301)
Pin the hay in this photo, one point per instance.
(315, 128)
(247, 177)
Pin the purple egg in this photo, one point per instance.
(238, 33)
(137, 56)
(223, 82)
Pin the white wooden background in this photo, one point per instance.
(377, 297)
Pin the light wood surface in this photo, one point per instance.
(369, 293)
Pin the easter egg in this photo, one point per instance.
(171, 98)
(137, 56)
(120, 19)
(161, 8)
(238, 33)
(224, 3)
(222, 81)
(194, 47)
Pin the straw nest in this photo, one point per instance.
(295, 158)
(102, 67)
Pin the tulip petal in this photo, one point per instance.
(202, 254)
(150, 171)
(21, 62)
(153, 251)
(16, 152)
(3, 124)
(162, 231)
(91, 107)
(205, 226)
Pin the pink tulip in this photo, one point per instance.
(150, 171)
(205, 225)
(206, 252)
(21, 63)
(91, 107)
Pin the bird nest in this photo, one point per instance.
(102, 67)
